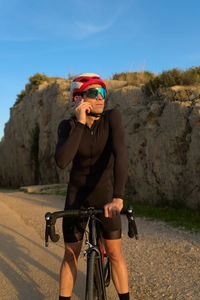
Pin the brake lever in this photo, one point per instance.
(47, 231)
(132, 228)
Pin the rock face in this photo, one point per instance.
(162, 140)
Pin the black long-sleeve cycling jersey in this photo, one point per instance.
(94, 152)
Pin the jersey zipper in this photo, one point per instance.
(92, 142)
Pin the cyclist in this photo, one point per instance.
(94, 140)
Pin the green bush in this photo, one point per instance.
(20, 97)
(191, 76)
(38, 78)
(171, 78)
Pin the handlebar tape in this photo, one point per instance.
(54, 237)
(50, 229)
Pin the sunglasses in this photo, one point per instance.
(94, 92)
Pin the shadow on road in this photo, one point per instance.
(16, 264)
(43, 248)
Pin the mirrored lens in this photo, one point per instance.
(94, 92)
(103, 92)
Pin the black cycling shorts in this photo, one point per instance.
(74, 228)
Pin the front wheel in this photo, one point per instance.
(95, 288)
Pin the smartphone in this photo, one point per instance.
(78, 100)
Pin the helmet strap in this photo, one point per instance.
(94, 115)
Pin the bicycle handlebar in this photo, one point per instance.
(52, 217)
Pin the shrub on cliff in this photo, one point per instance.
(171, 78)
(38, 78)
(134, 78)
(20, 97)
(35, 81)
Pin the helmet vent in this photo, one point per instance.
(84, 80)
(95, 77)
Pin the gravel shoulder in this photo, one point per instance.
(163, 264)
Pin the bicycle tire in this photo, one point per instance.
(99, 290)
(94, 289)
(89, 293)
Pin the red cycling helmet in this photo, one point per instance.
(81, 81)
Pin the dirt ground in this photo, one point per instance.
(163, 264)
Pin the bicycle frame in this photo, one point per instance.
(96, 273)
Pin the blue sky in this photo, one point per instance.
(103, 37)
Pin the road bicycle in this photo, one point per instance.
(98, 265)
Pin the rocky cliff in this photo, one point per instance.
(162, 136)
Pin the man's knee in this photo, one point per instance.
(72, 251)
(114, 255)
(113, 251)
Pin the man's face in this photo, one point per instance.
(97, 104)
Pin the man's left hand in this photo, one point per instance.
(113, 209)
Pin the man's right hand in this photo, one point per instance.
(81, 109)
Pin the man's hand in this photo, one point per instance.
(81, 108)
(113, 209)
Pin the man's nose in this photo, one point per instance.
(99, 97)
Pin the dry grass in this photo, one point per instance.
(134, 78)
